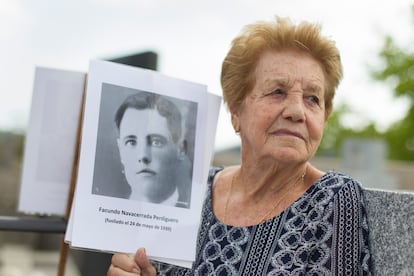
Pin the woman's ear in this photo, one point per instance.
(235, 121)
(235, 118)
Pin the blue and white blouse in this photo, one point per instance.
(324, 232)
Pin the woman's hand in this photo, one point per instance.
(123, 265)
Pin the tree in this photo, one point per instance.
(398, 72)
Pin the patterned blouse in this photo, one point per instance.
(324, 232)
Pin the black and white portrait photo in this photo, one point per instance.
(145, 146)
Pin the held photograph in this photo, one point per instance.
(146, 147)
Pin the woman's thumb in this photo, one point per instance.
(141, 258)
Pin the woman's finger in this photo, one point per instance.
(124, 263)
(145, 266)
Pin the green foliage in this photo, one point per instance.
(398, 68)
(336, 132)
(398, 72)
(11, 148)
(400, 138)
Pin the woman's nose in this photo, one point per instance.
(294, 108)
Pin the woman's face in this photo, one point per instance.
(283, 117)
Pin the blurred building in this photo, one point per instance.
(365, 160)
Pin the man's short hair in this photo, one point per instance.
(165, 107)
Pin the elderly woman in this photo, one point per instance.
(276, 214)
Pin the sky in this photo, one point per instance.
(191, 39)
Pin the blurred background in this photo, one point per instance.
(370, 134)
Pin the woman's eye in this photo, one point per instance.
(314, 99)
(278, 91)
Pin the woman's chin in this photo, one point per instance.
(290, 155)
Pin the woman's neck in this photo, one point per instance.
(256, 180)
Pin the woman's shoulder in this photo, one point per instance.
(339, 183)
(337, 179)
(220, 172)
(213, 171)
(332, 190)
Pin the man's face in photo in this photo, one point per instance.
(148, 154)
